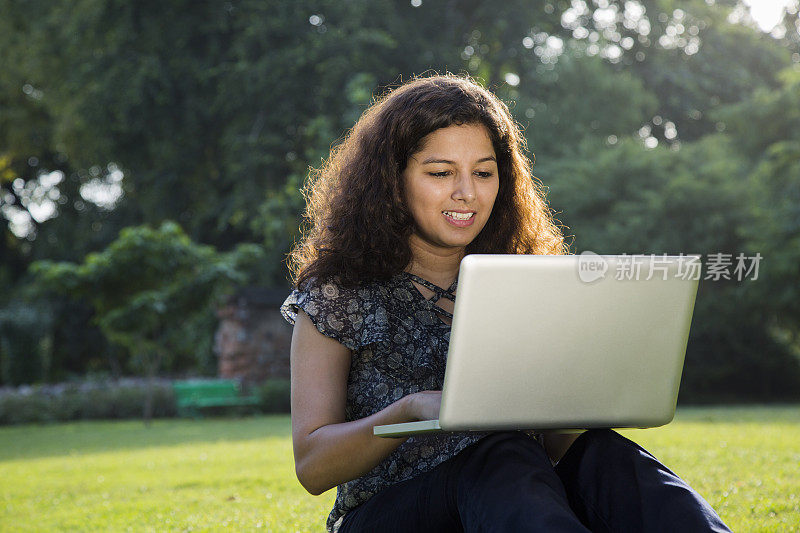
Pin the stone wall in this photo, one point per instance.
(252, 340)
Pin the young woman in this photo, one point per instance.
(433, 171)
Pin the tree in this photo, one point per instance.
(765, 129)
(628, 199)
(153, 292)
(212, 113)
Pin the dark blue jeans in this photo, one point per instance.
(505, 483)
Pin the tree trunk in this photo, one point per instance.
(147, 414)
(152, 371)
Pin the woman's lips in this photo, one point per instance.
(459, 223)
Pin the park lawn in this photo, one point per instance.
(237, 474)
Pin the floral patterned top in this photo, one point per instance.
(399, 347)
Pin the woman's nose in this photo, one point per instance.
(465, 189)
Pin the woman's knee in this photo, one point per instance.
(608, 445)
(599, 453)
(508, 442)
(503, 450)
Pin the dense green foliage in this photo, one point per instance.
(153, 291)
(238, 474)
(660, 126)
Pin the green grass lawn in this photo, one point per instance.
(237, 474)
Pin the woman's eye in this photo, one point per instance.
(445, 173)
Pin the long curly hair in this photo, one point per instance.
(357, 224)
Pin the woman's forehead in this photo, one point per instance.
(467, 137)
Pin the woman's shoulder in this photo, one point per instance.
(331, 290)
(371, 289)
(350, 314)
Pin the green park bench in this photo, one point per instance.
(195, 394)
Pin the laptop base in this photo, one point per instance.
(407, 429)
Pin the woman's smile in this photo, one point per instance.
(460, 219)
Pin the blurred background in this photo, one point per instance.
(152, 155)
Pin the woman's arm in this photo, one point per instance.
(327, 450)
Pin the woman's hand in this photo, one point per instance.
(424, 405)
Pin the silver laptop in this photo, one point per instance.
(564, 342)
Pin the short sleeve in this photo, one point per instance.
(349, 316)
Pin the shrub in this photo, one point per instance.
(120, 399)
(84, 401)
(275, 396)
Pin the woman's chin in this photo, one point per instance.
(456, 241)
(448, 238)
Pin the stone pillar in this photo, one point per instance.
(252, 340)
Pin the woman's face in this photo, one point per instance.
(451, 185)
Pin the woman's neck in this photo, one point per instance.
(435, 264)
